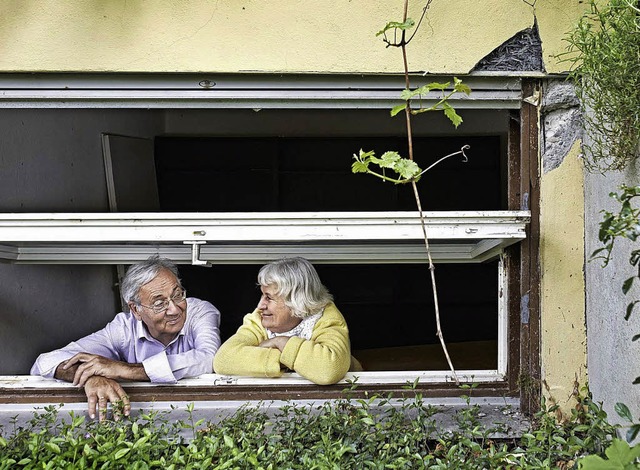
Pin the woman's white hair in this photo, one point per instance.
(298, 283)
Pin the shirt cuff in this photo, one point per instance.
(47, 363)
(158, 369)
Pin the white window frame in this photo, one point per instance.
(385, 237)
(203, 238)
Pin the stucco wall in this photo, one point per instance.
(563, 336)
(613, 359)
(297, 36)
(258, 36)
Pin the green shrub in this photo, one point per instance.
(378, 433)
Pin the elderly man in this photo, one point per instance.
(165, 337)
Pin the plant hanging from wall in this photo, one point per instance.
(395, 34)
(604, 53)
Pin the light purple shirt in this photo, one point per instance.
(128, 340)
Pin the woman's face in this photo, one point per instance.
(276, 316)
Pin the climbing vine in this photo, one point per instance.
(604, 54)
(396, 34)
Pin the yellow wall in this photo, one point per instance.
(258, 36)
(264, 36)
(563, 330)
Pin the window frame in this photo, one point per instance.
(518, 274)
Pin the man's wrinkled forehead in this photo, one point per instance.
(163, 285)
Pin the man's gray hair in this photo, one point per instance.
(142, 273)
(297, 281)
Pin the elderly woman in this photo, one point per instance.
(296, 326)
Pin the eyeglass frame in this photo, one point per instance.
(166, 302)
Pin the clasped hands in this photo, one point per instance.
(279, 342)
(98, 374)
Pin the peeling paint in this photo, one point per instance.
(561, 123)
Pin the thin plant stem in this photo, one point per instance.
(461, 151)
(432, 268)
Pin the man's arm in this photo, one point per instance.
(105, 342)
(82, 366)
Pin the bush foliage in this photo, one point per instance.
(377, 433)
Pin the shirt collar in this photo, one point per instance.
(142, 332)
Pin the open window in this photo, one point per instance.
(252, 170)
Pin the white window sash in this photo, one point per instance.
(255, 238)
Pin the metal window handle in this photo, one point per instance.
(195, 253)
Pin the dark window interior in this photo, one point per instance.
(389, 307)
(314, 174)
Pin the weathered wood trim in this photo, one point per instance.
(530, 369)
(244, 393)
(512, 254)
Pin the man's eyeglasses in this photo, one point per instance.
(161, 306)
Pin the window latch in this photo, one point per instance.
(195, 253)
(225, 381)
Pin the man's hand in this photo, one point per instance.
(100, 391)
(279, 342)
(85, 365)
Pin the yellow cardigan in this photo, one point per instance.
(324, 359)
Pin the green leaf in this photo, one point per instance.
(121, 453)
(359, 167)
(55, 448)
(228, 441)
(560, 439)
(387, 160)
(434, 86)
(461, 87)
(408, 24)
(455, 119)
(86, 450)
(620, 452)
(140, 442)
(407, 169)
(626, 285)
(396, 109)
(632, 432)
(423, 90)
(599, 250)
(630, 311)
(620, 456)
(623, 411)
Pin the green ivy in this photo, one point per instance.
(604, 51)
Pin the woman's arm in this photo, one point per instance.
(326, 357)
(242, 355)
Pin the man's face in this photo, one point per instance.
(166, 325)
(276, 316)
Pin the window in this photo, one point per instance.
(256, 169)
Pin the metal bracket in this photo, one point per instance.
(195, 253)
(534, 99)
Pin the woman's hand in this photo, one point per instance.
(279, 342)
